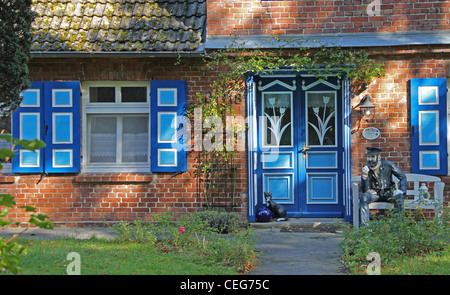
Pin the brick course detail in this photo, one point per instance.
(253, 17)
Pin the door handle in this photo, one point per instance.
(304, 149)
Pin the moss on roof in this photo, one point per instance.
(118, 25)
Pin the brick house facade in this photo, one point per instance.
(410, 37)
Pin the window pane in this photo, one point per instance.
(102, 94)
(134, 94)
(103, 140)
(135, 139)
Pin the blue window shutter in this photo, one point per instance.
(28, 123)
(62, 127)
(429, 126)
(168, 141)
(50, 111)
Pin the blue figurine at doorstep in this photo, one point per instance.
(279, 212)
(263, 214)
(377, 183)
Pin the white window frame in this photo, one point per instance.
(119, 109)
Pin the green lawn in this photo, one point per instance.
(437, 263)
(407, 244)
(109, 257)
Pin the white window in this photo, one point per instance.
(116, 126)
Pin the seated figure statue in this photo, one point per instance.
(377, 183)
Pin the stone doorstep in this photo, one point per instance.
(292, 222)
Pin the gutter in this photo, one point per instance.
(118, 54)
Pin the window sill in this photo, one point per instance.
(122, 178)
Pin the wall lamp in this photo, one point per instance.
(366, 108)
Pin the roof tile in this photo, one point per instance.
(118, 25)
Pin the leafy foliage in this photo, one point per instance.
(10, 251)
(220, 221)
(16, 17)
(193, 234)
(394, 237)
(230, 66)
(311, 56)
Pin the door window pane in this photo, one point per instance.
(135, 139)
(103, 139)
(321, 118)
(277, 119)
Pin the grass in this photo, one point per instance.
(108, 257)
(437, 263)
(407, 243)
(194, 245)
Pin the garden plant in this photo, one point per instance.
(10, 250)
(396, 237)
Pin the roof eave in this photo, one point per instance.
(117, 54)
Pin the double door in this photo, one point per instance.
(300, 146)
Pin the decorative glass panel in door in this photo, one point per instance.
(321, 118)
(277, 120)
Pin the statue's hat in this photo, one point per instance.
(373, 150)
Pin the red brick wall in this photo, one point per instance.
(253, 17)
(391, 93)
(391, 96)
(79, 199)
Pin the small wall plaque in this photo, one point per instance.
(371, 133)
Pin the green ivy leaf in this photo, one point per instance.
(3, 222)
(30, 145)
(6, 137)
(29, 208)
(6, 153)
(7, 200)
(41, 220)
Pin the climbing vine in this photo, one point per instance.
(229, 67)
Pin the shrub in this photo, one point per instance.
(137, 232)
(394, 236)
(221, 221)
(198, 233)
(10, 250)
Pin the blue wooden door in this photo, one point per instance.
(300, 145)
